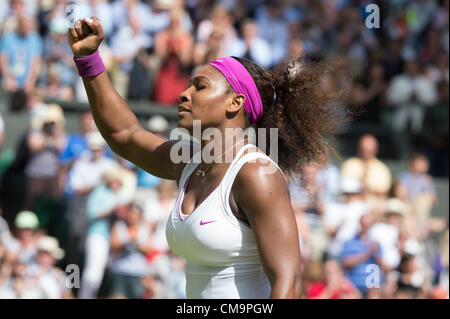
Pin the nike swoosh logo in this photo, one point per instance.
(205, 223)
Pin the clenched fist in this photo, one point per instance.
(86, 36)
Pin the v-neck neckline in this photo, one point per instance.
(181, 199)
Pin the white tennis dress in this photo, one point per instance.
(222, 259)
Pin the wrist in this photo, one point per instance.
(89, 65)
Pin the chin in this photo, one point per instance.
(187, 125)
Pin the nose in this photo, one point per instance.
(185, 96)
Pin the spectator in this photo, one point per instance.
(251, 45)
(309, 196)
(77, 143)
(88, 170)
(156, 214)
(20, 56)
(50, 279)
(19, 285)
(373, 174)
(24, 248)
(147, 182)
(387, 233)
(272, 21)
(370, 171)
(174, 48)
(101, 9)
(126, 43)
(58, 59)
(37, 108)
(85, 175)
(371, 94)
(342, 219)
(412, 277)
(328, 176)
(420, 189)
(42, 169)
(334, 285)
(153, 287)
(441, 264)
(438, 71)
(359, 254)
(409, 94)
(434, 135)
(219, 21)
(12, 11)
(131, 241)
(101, 206)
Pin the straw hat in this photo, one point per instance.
(95, 140)
(395, 206)
(51, 245)
(163, 4)
(54, 114)
(48, 113)
(114, 175)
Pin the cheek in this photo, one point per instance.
(208, 108)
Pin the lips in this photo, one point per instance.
(182, 108)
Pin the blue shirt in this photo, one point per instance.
(20, 52)
(76, 145)
(101, 200)
(416, 183)
(145, 179)
(363, 272)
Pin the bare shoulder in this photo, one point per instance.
(259, 178)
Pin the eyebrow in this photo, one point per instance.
(196, 78)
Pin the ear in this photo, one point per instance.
(236, 103)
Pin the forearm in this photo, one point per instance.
(145, 249)
(4, 66)
(356, 259)
(112, 115)
(34, 71)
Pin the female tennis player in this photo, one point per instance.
(232, 222)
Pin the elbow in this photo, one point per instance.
(118, 142)
(287, 288)
(121, 141)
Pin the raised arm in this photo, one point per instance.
(114, 119)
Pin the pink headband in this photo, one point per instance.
(242, 83)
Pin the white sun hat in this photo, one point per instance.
(51, 245)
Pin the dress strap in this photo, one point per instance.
(229, 178)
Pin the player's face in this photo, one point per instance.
(205, 99)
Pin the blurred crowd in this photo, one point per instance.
(66, 199)
(367, 234)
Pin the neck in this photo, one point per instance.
(221, 148)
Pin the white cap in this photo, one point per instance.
(26, 219)
(157, 123)
(350, 185)
(412, 247)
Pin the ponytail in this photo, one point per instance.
(304, 114)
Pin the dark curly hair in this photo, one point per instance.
(304, 114)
